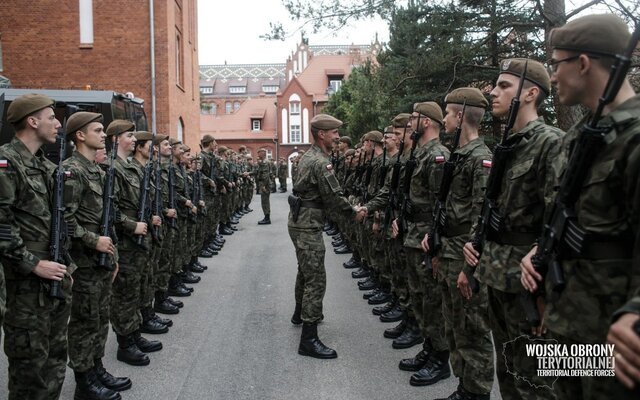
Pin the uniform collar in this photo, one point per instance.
(34, 160)
(469, 147)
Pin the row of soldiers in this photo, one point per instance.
(477, 253)
(102, 239)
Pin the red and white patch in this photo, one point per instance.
(68, 175)
(486, 163)
(4, 163)
(440, 159)
(329, 167)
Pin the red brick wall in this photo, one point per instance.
(41, 49)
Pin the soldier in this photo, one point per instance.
(601, 276)
(282, 175)
(316, 192)
(273, 173)
(522, 206)
(35, 323)
(89, 321)
(263, 182)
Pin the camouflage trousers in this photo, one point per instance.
(387, 253)
(399, 283)
(198, 237)
(283, 183)
(311, 281)
(507, 320)
(189, 239)
(589, 388)
(264, 201)
(180, 245)
(146, 278)
(159, 259)
(35, 339)
(126, 291)
(3, 298)
(426, 299)
(89, 322)
(467, 330)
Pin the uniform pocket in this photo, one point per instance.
(84, 304)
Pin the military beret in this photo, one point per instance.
(206, 139)
(186, 148)
(349, 153)
(600, 34)
(81, 119)
(536, 72)
(26, 105)
(222, 149)
(388, 129)
(401, 120)
(243, 147)
(143, 135)
(174, 141)
(301, 152)
(359, 145)
(118, 126)
(160, 138)
(325, 122)
(374, 136)
(345, 139)
(472, 96)
(429, 109)
(262, 150)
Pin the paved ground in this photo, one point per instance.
(233, 338)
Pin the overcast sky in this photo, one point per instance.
(229, 31)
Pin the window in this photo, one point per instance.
(237, 89)
(269, 154)
(227, 107)
(86, 23)
(255, 125)
(295, 134)
(206, 90)
(180, 131)
(208, 108)
(179, 61)
(335, 85)
(270, 88)
(236, 106)
(294, 108)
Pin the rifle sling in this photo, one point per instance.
(311, 204)
(453, 231)
(602, 250)
(515, 238)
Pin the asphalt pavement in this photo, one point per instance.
(233, 339)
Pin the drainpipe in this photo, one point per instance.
(276, 139)
(152, 49)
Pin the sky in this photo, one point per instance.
(229, 31)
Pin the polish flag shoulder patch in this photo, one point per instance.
(4, 163)
(440, 159)
(329, 167)
(68, 174)
(486, 163)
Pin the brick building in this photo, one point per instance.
(270, 105)
(105, 45)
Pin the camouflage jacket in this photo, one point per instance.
(465, 197)
(381, 199)
(183, 189)
(425, 182)
(282, 171)
(316, 182)
(608, 209)
(129, 184)
(524, 194)
(263, 174)
(294, 170)
(25, 208)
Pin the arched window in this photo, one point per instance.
(227, 107)
(236, 106)
(180, 129)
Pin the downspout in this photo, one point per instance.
(277, 139)
(152, 46)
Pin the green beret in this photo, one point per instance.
(388, 129)
(222, 149)
(325, 122)
(159, 139)
(81, 119)
(26, 105)
(401, 120)
(186, 148)
(375, 136)
(601, 34)
(429, 109)
(345, 139)
(472, 96)
(536, 72)
(142, 135)
(349, 153)
(174, 141)
(206, 139)
(118, 126)
(262, 150)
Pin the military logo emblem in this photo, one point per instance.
(505, 65)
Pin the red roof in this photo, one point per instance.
(238, 124)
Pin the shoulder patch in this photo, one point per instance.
(440, 159)
(4, 163)
(68, 175)
(486, 163)
(329, 167)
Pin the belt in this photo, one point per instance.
(311, 204)
(515, 238)
(420, 217)
(458, 230)
(597, 250)
(42, 247)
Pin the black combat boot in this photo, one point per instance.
(396, 331)
(109, 381)
(463, 394)
(361, 272)
(343, 249)
(88, 387)
(296, 319)
(128, 351)
(176, 303)
(149, 325)
(205, 253)
(162, 304)
(187, 276)
(333, 231)
(352, 263)
(419, 361)
(311, 346)
(225, 231)
(233, 228)
(381, 297)
(145, 345)
(247, 209)
(395, 315)
(195, 268)
(369, 284)
(265, 221)
(175, 289)
(163, 321)
(371, 294)
(435, 369)
(385, 307)
(410, 337)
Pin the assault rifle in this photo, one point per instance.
(108, 207)
(383, 168)
(59, 228)
(143, 202)
(367, 178)
(172, 192)
(158, 203)
(395, 182)
(562, 231)
(358, 175)
(408, 172)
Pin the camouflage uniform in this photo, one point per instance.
(522, 204)
(315, 183)
(164, 248)
(282, 175)
(184, 225)
(263, 181)
(35, 324)
(602, 278)
(466, 324)
(294, 171)
(89, 322)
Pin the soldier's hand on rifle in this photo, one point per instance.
(470, 254)
(394, 228)
(463, 286)
(50, 270)
(530, 277)
(188, 204)
(194, 210)
(376, 229)
(156, 220)
(627, 349)
(105, 245)
(361, 213)
(201, 203)
(171, 213)
(116, 269)
(223, 190)
(141, 228)
(425, 243)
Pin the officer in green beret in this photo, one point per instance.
(37, 365)
(316, 192)
(263, 182)
(601, 277)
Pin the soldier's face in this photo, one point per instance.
(177, 151)
(144, 149)
(451, 118)
(329, 137)
(165, 148)
(101, 156)
(502, 94)
(46, 125)
(568, 77)
(95, 136)
(390, 141)
(185, 157)
(127, 142)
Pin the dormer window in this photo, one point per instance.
(237, 89)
